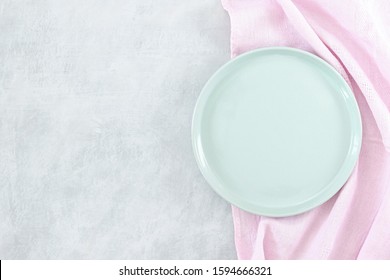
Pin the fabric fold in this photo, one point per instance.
(352, 37)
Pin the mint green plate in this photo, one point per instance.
(276, 131)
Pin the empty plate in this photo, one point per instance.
(276, 131)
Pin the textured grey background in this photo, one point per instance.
(96, 99)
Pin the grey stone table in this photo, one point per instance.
(96, 100)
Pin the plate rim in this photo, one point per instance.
(334, 186)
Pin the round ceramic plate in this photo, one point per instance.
(276, 131)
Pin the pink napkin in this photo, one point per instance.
(353, 36)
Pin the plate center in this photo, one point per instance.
(276, 127)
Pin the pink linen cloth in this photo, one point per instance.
(353, 36)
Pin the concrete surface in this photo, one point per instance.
(96, 100)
